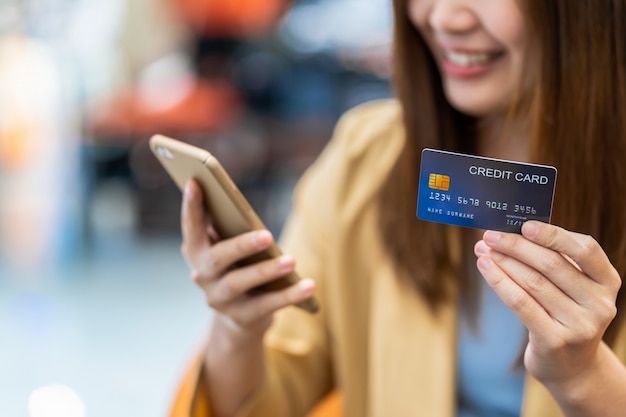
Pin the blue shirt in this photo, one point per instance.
(489, 382)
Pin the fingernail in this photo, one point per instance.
(188, 191)
(480, 248)
(483, 263)
(285, 260)
(263, 238)
(530, 229)
(491, 237)
(307, 285)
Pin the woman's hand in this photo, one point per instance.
(235, 360)
(226, 287)
(563, 288)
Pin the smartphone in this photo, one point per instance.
(230, 212)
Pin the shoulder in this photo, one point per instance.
(367, 140)
(367, 125)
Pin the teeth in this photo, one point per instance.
(468, 60)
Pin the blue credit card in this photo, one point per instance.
(483, 193)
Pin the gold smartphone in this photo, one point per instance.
(230, 212)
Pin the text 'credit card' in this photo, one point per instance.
(483, 193)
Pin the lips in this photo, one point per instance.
(468, 64)
(470, 59)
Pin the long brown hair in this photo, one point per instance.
(577, 110)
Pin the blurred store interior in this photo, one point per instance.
(97, 313)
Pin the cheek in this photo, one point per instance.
(509, 29)
(418, 13)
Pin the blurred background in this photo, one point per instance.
(97, 314)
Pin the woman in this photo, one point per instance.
(405, 321)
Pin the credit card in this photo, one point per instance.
(483, 193)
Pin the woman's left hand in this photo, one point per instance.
(563, 288)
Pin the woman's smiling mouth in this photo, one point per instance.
(466, 64)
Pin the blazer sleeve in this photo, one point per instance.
(298, 344)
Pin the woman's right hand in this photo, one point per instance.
(226, 286)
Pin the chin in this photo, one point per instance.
(471, 109)
(476, 102)
(475, 108)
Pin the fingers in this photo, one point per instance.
(546, 265)
(227, 285)
(555, 269)
(209, 257)
(557, 304)
(516, 298)
(214, 261)
(239, 281)
(560, 284)
(582, 249)
(259, 306)
(193, 220)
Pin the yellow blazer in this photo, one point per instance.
(374, 340)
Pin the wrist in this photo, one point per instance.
(600, 390)
(226, 336)
(578, 388)
(234, 365)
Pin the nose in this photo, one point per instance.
(452, 16)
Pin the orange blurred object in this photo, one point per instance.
(16, 144)
(206, 107)
(231, 18)
(330, 406)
